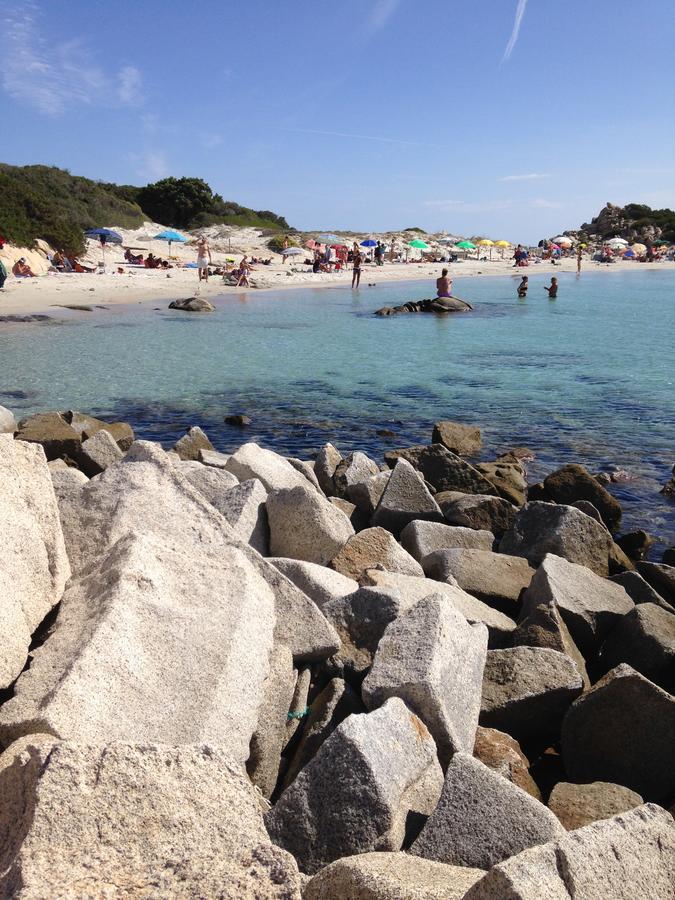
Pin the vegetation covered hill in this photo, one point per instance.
(635, 221)
(50, 203)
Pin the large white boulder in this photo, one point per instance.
(33, 563)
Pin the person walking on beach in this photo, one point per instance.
(523, 286)
(553, 289)
(356, 273)
(203, 258)
(444, 285)
(244, 269)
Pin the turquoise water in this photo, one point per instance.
(588, 377)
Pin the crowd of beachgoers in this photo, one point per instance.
(134, 265)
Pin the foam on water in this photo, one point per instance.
(587, 377)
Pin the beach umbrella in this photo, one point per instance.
(616, 242)
(486, 242)
(465, 245)
(330, 238)
(502, 244)
(171, 236)
(369, 243)
(629, 254)
(312, 244)
(562, 240)
(639, 248)
(293, 251)
(105, 236)
(418, 244)
(660, 243)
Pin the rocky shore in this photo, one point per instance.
(249, 676)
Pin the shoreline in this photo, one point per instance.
(47, 293)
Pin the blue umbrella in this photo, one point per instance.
(369, 243)
(105, 236)
(170, 236)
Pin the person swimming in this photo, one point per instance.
(523, 286)
(444, 285)
(553, 289)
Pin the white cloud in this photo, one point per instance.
(380, 13)
(129, 87)
(532, 176)
(520, 12)
(52, 77)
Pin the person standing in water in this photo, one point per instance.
(523, 286)
(553, 289)
(356, 273)
(579, 260)
(203, 258)
(444, 285)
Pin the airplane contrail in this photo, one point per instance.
(520, 12)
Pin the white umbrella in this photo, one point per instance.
(616, 242)
(293, 251)
(562, 240)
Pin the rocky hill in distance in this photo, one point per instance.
(634, 222)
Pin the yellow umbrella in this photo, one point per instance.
(638, 248)
(484, 242)
(502, 244)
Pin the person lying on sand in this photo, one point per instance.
(553, 289)
(523, 286)
(444, 285)
(21, 269)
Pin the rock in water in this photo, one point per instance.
(622, 731)
(189, 446)
(356, 793)
(624, 858)
(192, 304)
(577, 805)
(390, 876)
(33, 563)
(464, 440)
(433, 659)
(482, 819)
(305, 525)
(574, 482)
(542, 528)
(142, 820)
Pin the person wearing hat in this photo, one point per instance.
(21, 269)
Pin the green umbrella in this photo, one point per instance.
(660, 243)
(466, 245)
(418, 244)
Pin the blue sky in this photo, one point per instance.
(365, 115)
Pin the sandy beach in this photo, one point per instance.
(49, 290)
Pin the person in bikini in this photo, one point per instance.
(523, 286)
(444, 285)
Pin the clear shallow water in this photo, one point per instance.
(588, 378)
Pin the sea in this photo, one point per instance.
(588, 377)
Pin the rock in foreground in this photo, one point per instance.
(125, 820)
